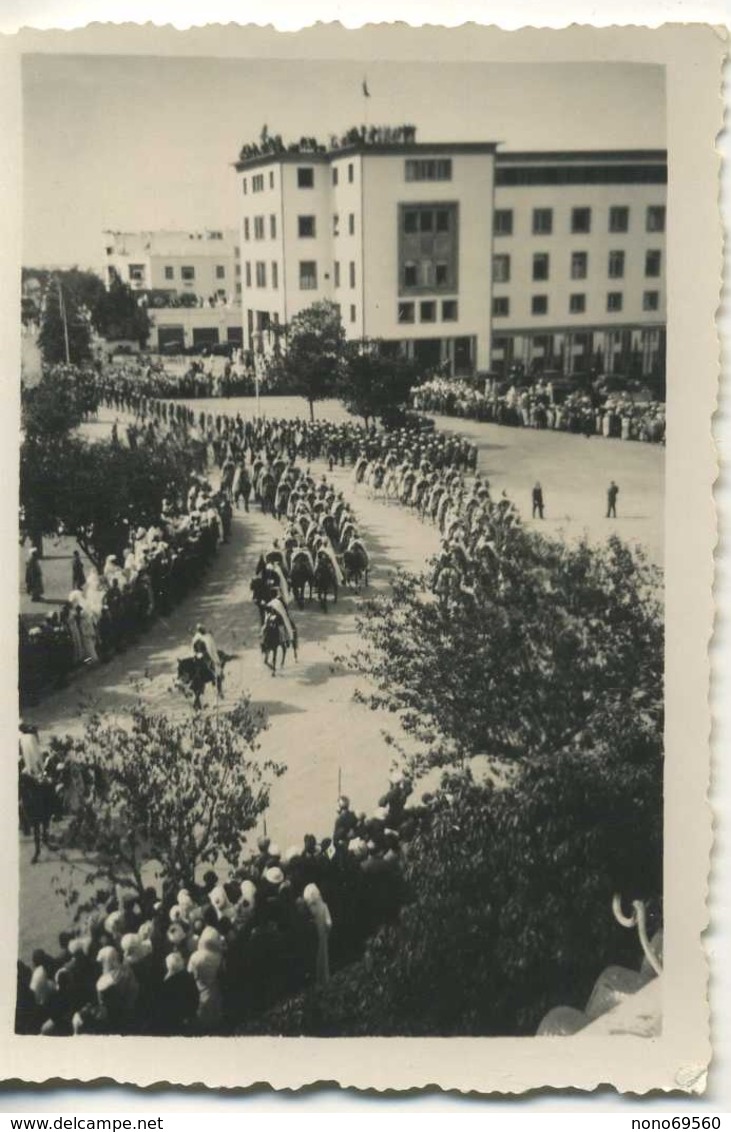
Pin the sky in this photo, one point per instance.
(144, 142)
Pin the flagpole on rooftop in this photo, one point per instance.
(366, 96)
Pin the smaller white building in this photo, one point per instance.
(190, 282)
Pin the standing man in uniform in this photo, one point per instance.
(612, 493)
(537, 501)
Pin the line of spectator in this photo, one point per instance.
(538, 407)
(212, 956)
(106, 611)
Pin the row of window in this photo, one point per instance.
(501, 265)
(305, 178)
(306, 226)
(260, 227)
(187, 274)
(426, 220)
(428, 311)
(335, 174)
(307, 274)
(581, 220)
(426, 169)
(353, 311)
(427, 273)
(260, 274)
(577, 303)
(257, 183)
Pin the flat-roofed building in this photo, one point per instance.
(578, 262)
(189, 280)
(397, 233)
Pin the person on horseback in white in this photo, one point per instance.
(326, 547)
(277, 606)
(204, 638)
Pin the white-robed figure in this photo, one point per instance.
(202, 634)
(282, 583)
(113, 570)
(303, 552)
(356, 543)
(83, 619)
(326, 546)
(278, 607)
(30, 750)
(93, 592)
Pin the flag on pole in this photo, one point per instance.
(366, 92)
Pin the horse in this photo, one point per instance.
(35, 808)
(194, 673)
(281, 499)
(331, 529)
(267, 493)
(261, 592)
(359, 470)
(325, 581)
(301, 575)
(355, 566)
(272, 637)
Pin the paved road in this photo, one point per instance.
(575, 472)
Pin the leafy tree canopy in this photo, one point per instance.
(315, 352)
(372, 385)
(117, 314)
(94, 490)
(172, 793)
(64, 321)
(548, 648)
(510, 904)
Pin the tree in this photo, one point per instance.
(315, 352)
(173, 793)
(509, 909)
(118, 314)
(372, 385)
(542, 651)
(58, 402)
(96, 489)
(64, 323)
(548, 660)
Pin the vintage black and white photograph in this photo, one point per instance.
(341, 548)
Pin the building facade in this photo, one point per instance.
(190, 281)
(458, 255)
(397, 234)
(578, 264)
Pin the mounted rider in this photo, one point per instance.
(278, 608)
(203, 644)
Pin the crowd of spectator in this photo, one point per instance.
(613, 415)
(210, 957)
(107, 610)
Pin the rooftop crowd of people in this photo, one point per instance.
(615, 415)
(213, 955)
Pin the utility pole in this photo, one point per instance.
(62, 310)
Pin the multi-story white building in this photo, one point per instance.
(454, 253)
(578, 264)
(195, 263)
(398, 234)
(191, 282)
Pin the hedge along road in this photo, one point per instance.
(328, 742)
